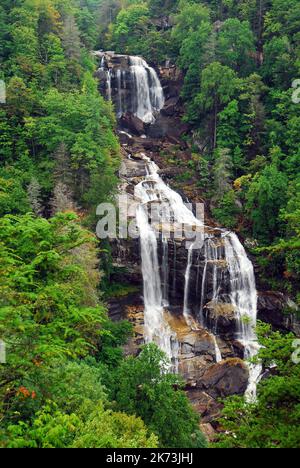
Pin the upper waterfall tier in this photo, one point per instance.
(132, 85)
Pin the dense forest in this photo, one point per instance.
(66, 382)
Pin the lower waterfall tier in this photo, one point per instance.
(204, 285)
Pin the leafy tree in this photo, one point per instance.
(102, 428)
(267, 195)
(114, 430)
(140, 387)
(188, 20)
(279, 63)
(130, 27)
(218, 85)
(13, 193)
(273, 421)
(236, 46)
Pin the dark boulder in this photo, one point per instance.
(278, 310)
(132, 124)
(229, 377)
(171, 106)
(208, 408)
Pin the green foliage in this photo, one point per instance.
(58, 149)
(48, 308)
(235, 46)
(99, 428)
(227, 210)
(188, 20)
(140, 387)
(52, 97)
(106, 429)
(273, 421)
(130, 28)
(266, 196)
(51, 318)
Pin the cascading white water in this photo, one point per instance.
(228, 249)
(213, 256)
(120, 100)
(148, 90)
(145, 96)
(165, 271)
(173, 209)
(222, 257)
(218, 353)
(243, 295)
(156, 327)
(186, 309)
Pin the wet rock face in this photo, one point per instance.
(169, 126)
(133, 124)
(206, 380)
(118, 65)
(278, 310)
(218, 315)
(222, 317)
(168, 123)
(229, 377)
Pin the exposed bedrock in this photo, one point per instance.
(277, 309)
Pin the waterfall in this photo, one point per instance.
(165, 271)
(134, 88)
(243, 296)
(221, 255)
(213, 256)
(225, 259)
(108, 73)
(108, 85)
(156, 327)
(218, 353)
(120, 98)
(153, 189)
(148, 92)
(186, 309)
